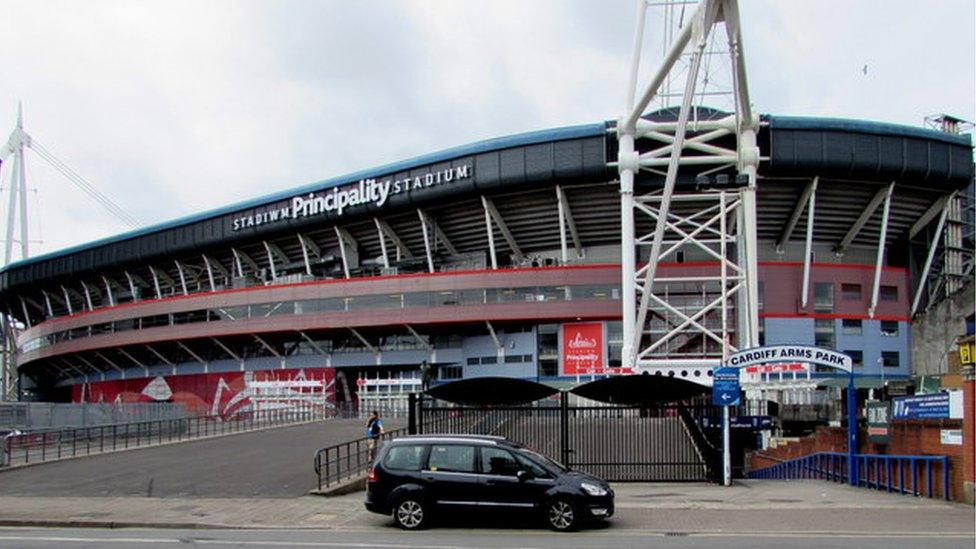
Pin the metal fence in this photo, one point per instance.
(618, 443)
(891, 473)
(26, 416)
(55, 444)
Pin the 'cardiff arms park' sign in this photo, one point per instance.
(790, 353)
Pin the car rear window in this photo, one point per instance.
(456, 458)
(405, 458)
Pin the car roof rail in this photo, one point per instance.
(491, 438)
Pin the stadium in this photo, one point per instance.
(502, 258)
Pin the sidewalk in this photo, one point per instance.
(749, 506)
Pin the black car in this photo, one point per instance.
(416, 477)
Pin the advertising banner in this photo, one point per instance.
(942, 405)
(583, 348)
(225, 394)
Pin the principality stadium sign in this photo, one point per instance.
(336, 200)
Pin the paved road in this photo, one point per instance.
(458, 539)
(275, 463)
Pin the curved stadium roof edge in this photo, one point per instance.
(493, 144)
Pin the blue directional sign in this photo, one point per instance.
(725, 387)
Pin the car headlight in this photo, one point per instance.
(593, 489)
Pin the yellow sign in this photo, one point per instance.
(966, 352)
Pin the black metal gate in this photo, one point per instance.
(661, 442)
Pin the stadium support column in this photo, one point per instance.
(627, 166)
(748, 250)
(628, 259)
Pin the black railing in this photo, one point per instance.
(341, 462)
(55, 444)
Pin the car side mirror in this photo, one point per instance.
(523, 475)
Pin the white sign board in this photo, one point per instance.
(790, 353)
(951, 437)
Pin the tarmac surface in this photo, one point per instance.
(748, 507)
(271, 463)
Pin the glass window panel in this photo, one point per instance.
(405, 458)
(455, 458)
(889, 328)
(888, 293)
(496, 461)
(823, 297)
(852, 326)
(850, 292)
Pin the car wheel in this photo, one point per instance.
(410, 513)
(562, 516)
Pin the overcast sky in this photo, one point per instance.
(172, 108)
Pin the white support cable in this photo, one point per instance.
(84, 185)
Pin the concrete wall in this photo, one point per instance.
(934, 333)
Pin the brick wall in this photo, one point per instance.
(907, 437)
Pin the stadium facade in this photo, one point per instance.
(499, 258)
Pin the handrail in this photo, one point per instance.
(345, 460)
(878, 471)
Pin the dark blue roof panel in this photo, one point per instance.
(494, 144)
(777, 122)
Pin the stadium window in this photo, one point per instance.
(548, 367)
(513, 359)
(889, 359)
(889, 328)
(824, 332)
(850, 292)
(823, 297)
(888, 293)
(762, 293)
(489, 360)
(852, 326)
(450, 372)
(526, 358)
(473, 361)
(857, 358)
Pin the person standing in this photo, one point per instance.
(374, 428)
